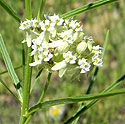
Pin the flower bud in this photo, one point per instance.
(78, 36)
(81, 47)
(63, 47)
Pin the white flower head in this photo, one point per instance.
(60, 44)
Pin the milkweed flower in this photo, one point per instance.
(60, 45)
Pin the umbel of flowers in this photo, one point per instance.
(60, 45)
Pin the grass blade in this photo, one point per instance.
(10, 10)
(86, 107)
(74, 99)
(86, 8)
(10, 91)
(10, 68)
(36, 79)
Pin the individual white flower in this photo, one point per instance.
(66, 22)
(25, 25)
(84, 65)
(42, 25)
(75, 25)
(35, 23)
(72, 24)
(97, 61)
(97, 49)
(69, 58)
(67, 36)
(47, 26)
(45, 55)
(56, 19)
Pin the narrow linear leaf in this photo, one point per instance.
(18, 67)
(10, 90)
(74, 99)
(41, 8)
(105, 43)
(86, 8)
(86, 107)
(10, 10)
(10, 68)
(36, 79)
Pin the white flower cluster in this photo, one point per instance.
(60, 44)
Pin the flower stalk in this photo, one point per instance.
(27, 81)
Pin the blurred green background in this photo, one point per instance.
(96, 23)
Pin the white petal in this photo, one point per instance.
(35, 63)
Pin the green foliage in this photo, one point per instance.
(10, 68)
(10, 10)
(113, 60)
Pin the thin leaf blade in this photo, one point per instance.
(6, 6)
(74, 99)
(86, 107)
(86, 8)
(10, 68)
(9, 90)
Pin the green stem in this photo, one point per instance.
(92, 80)
(23, 64)
(28, 9)
(45, 88)
(26, 88)
(86, 107)
(27, 83)
(41, 97)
